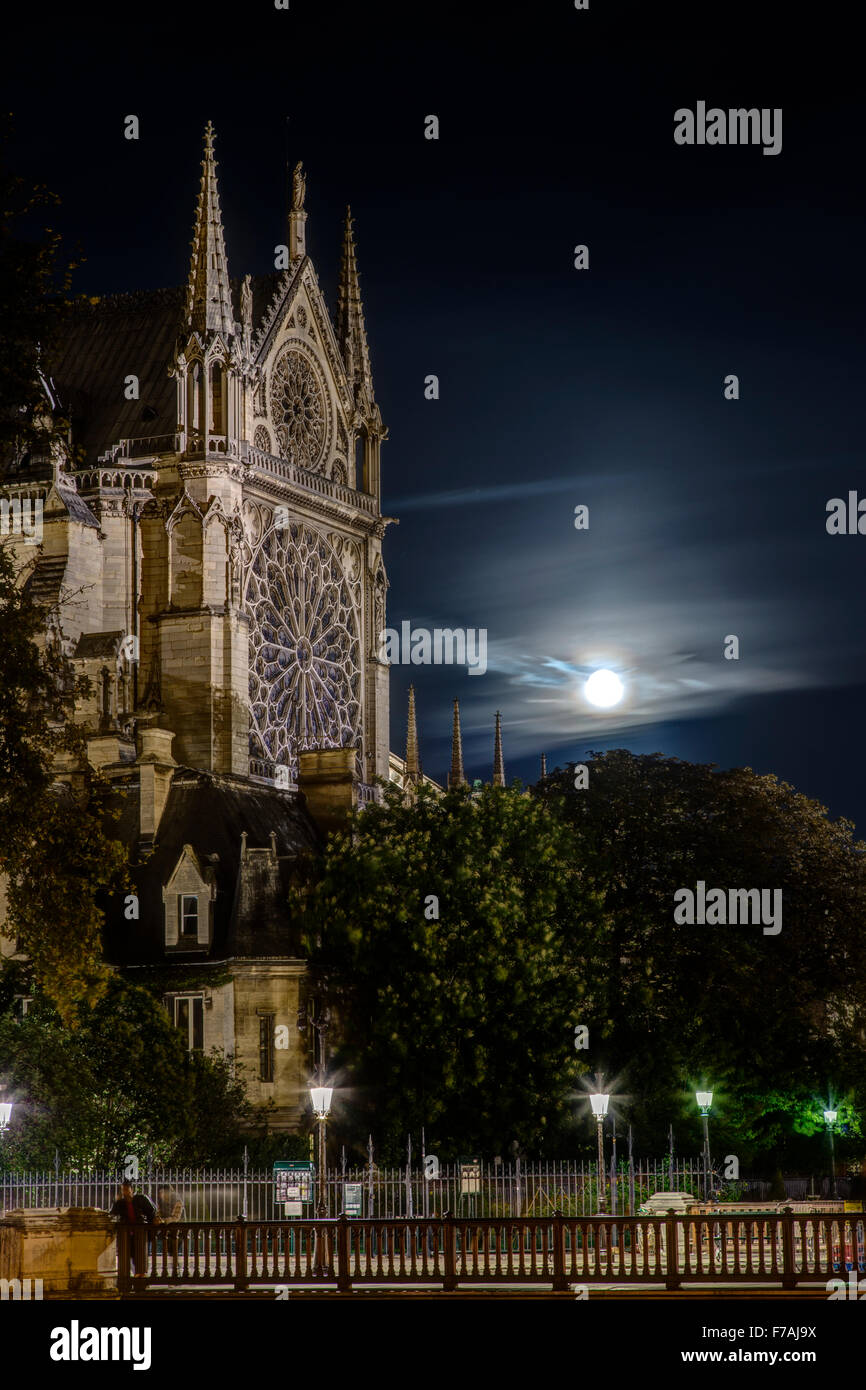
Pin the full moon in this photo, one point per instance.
(604, 689)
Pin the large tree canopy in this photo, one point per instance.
(440, 931)
(768, 1020)
(558, 909)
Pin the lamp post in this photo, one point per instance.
(5, 1115)
(599, 1102)
(705, 1101)
(321, 1099)
(830, 1118)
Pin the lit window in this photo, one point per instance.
(187, 1013)
(189, 915)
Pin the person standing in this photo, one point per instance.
(136, 1210)
(169, 1204)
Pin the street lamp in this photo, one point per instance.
(599, 1102)
(705, 1101)
(830, 1118)
(321, 1100)
(5, 1114)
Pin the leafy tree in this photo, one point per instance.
(766, 1020)
(457, 1014)
(56, 851)
(558, 909)
(120, 1082)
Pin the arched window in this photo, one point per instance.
(361, 460)
(193, 397)
(217, 389)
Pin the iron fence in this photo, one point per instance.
(490, 1190)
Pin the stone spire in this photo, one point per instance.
(413, 762)
(208, 296)
(351, 332)
(498, 764)
(456, 776)
(543, 765)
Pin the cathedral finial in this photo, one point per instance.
(298, 216)
(299, 188)
(456, 776)
(498, 763)
(413, 761)
(208, 296)
(351, 330)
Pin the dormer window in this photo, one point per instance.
(188, 915)
(188, 900)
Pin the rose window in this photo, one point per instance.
(305, 680)
(298, 410)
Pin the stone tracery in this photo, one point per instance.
(305, 680)
(298, 410)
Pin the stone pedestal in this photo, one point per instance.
(70, 1249)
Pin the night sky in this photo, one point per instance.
(558, 387)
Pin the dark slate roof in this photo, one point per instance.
(92, 645)
(77, 507)
(209, 811)
(101, 343)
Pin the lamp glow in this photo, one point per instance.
(321, 1099)
(705, 1100)
(830, 1116)
(599, 1104)
(5, 1114)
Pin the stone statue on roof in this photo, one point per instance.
(299, 188)
(246, 302)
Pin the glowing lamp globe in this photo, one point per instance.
(321, 1098)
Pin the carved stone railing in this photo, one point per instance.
(146, 447)
(276, 776)
(89, 479)
(260, 462)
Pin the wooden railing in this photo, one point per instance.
(451, 1251)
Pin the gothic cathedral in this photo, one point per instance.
(212, 561)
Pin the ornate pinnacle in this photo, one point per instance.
(208, 297)
(413, 762)
(351, 331)
(456, 777)
(498, 763)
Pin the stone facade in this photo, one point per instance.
(211, 560)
